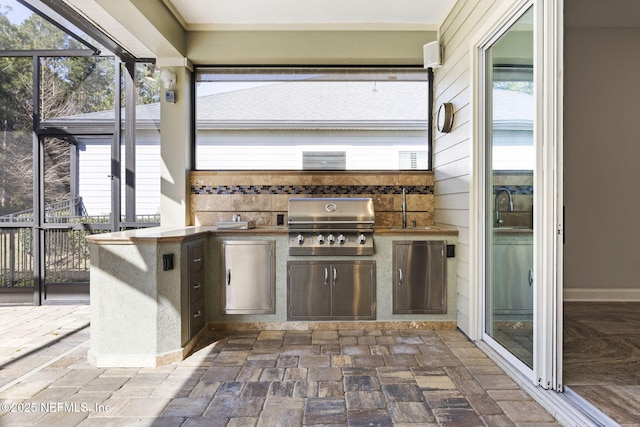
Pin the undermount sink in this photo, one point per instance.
(235, 225)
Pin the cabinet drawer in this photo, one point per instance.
(196, 257)
(196, 286)
(196, 317)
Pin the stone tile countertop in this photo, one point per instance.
(168, 234)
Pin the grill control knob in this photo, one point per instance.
(331, 239)
(361, 239)
(341, 239)
(300, 239)
(320, 239)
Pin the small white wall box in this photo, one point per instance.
(432, 55)
(170, 96)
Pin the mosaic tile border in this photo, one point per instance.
(526, 190)
(311, 189)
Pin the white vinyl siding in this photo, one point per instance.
(94, 184)
(364, 149)
(452, 161)
(95, 169)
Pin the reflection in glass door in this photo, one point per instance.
(510, 165)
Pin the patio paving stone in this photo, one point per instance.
(257, 379)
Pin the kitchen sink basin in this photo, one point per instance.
(515, 219)
(235, 225)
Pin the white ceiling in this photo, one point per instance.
(310, 14)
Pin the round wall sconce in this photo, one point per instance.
(444, 121)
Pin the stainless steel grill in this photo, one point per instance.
(331, 226)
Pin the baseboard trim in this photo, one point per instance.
(587, 294)
(332, 325)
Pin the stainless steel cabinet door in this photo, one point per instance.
(513, 278)
(248, 282)
(419, 282)
(309, 290)
(326, 290)
(353, 292)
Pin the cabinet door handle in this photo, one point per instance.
(197, 259)
(326, 276)
(531, 277)
(197, 286)
(229, 277)
(400, 277)
(197, 314)
(335, 276)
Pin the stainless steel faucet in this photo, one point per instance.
(497, 204)
(404, 207)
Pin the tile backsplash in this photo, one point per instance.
(260, 197)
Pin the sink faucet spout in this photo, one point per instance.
(497, 204)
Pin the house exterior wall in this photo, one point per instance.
(307, 47)
(452, 151)
(95, 168)
(261, 47)
(283, 149)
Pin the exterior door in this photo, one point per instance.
(77, 198)
(519, 93)
(510, 170)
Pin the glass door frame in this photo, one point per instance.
(75, 291)
(548, 221)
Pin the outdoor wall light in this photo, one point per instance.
(444, 121)
(168, 79)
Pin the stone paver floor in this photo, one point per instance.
(256, 378)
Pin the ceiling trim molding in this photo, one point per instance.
(320, 26)
(176, 13)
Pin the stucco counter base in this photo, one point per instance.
(137, 308)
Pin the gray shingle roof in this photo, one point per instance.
(318, 105)
(319, 101)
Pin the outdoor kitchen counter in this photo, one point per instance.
(149, 235)
(415, 231)
(178, 234)
(143, 282)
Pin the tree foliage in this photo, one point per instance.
(69, 86)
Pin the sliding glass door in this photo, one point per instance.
(510, 162)
(519, 100)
